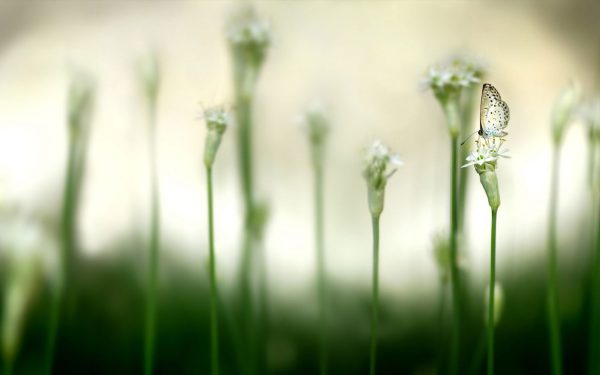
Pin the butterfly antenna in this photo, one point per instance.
(469, 137)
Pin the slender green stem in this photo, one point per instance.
(153, 252)
(466, 115)
(321, 269)
(454, 273)
(375, 296)
(244, 138)
(552, 298)
(595, 308)
(263, 326)
(214, 295)
(490, 322)
(67, 253)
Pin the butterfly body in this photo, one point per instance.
(493, 113)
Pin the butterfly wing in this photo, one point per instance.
(494, 113)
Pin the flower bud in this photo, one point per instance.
(217, 121)
(316, 125)
(249, 38)
(489, 181)
(563, 111)
(378, 168)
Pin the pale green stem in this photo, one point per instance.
(244, 138)
(153, 252)
(552, 298)
(467, 102)
(321, 269)
(491, 320)
(68, 251)
(375, 294)
(214, 295)
(595, 294)
(454, 272)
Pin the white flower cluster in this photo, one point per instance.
(453, 76)
(486, 155)
(217, 119)
(380, 164)
(248, 31)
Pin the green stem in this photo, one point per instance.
(466, 115)
(454, 272)
(595, 308)
(214, 295)
(552, 298)
(153, 251)
(490, 322)
(68, 250)
(375, 292)
(321, 270)
(244, 138)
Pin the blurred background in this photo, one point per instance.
(365, 61)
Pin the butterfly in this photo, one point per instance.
(493, 113)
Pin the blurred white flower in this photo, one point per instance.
(451, 77)
(379, 165)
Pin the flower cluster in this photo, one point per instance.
(379, 165)
(447, 80)
(486, 155)
(249, 38)
(217, 120)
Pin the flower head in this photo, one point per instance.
(564, 109)
(217, 120)
(379, 165)
(485, 160)
(486, 156)
(315, 124)
(249, 38)
(447, 80)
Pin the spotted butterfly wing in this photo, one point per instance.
(493, 113)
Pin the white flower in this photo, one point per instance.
(380, 164)
(487, 152)
(315, 123)
(452, 76)
(249, 35)
(217, 119)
